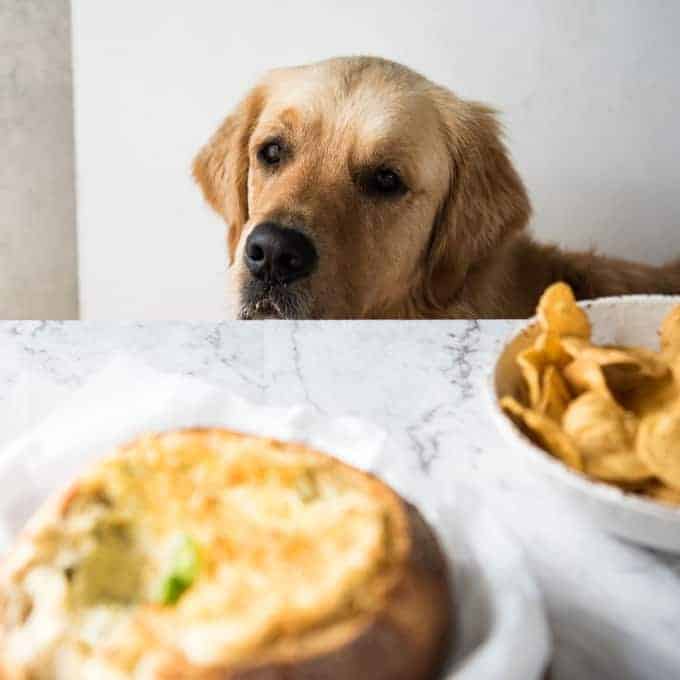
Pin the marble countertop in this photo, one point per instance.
(614, 608)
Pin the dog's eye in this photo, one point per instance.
(385, 181)
(271, 153)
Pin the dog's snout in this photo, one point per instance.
(279, 254)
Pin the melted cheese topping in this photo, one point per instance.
(288, 541)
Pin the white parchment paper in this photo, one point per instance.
(501, 625)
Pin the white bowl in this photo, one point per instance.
(631, 320)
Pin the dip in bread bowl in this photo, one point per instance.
(207, 554)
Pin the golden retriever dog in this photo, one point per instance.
(357, 188)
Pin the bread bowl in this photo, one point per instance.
(208, 554)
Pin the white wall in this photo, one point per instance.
(589, 91)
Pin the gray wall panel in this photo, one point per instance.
(38, 266)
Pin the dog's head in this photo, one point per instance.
(357, 188)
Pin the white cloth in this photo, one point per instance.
(501, 628)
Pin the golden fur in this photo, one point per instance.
(453, 246)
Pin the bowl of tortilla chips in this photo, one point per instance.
(588, 394)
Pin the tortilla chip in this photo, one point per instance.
(599, 426)
(652, 396)
(558, 313)
(555, 395)
(624, 368)
(584, 375)
(545, 432)
(658, 445)
(573, 345)
(623, 468)
(670, 336)
(533, 362)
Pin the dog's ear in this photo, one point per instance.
(221, 166)
(486, 201)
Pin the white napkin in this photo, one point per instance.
(501, 626)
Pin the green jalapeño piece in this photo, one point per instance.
(184, 569)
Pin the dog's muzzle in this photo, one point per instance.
(277, 257)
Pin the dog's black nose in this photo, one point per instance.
(279, 254)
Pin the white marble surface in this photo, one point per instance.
(614, 608)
